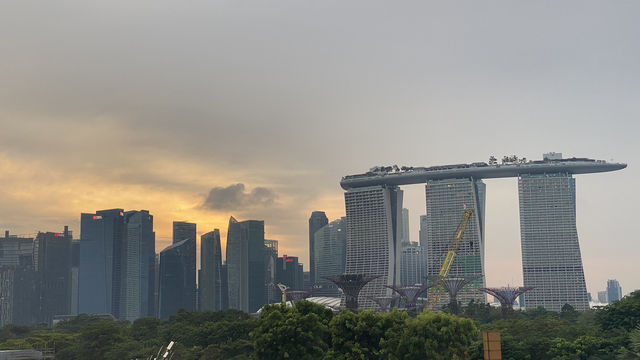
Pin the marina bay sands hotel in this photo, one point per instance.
(551, 260)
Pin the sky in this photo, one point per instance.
(200, 110)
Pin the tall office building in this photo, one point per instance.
(175, 292)
(405, 239)
(614, 291)
(100, 273)
(272, 293)
(210, 280)
(75, 272)
(246, 265)
(447, 201)
(330, 255)
(187, 231)
(423, 231)
(52, 262)
(16, 251)
(317, 220)
(602, 297)
(551, 260)
(224, 288)
(138, 274)
(289, 272)
(19, 284)
(413, 268)
(373, 238)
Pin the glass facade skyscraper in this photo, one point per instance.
(413, 268)
(187, 231)
(317, 220)
(138, 281)
(210, 281)
(330, 255)
(246, 268)
(52, 262)
(289, 272)
(614, 291)
(551, 260)
(101, 241)
(373, 238)
(117, 264)
(174, 293)
(447, 201)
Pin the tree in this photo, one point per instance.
(297, 332)
(624, 313)
(359, 336)
(431, 336)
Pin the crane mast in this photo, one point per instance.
(434, 294)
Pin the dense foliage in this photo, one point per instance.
(309, 331)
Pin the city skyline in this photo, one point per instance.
(199, 113)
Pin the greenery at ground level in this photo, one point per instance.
(309, 331)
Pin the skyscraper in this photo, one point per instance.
(19, 284)
(447, 201)
(138, 275)
(373, 237)
(614, 291)
(413, 268)
(330, 254)
(100, 274)
(289, 272)
(175, 292)
(52, 262)
(317, 220)
(602, 297)
(272, 293)
(551, 260)
(423, 231)
(210, 281)
(75, 272)
(187, 231)
(245, 265)
(405, 239)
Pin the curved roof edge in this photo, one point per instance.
(408, 176)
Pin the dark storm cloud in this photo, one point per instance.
(235, 197)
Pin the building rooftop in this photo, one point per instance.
(510, 166)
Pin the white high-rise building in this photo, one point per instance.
(551, 260)
(447, 200)
(373, 238)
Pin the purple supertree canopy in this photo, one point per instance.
(507, 295)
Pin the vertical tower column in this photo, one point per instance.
(446, 201)
(373, 238)
(551, 260)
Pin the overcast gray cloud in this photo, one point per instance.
(235, 197)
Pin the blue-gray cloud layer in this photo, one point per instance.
(235, 197)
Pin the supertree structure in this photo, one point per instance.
(453, 285)
(383, 302)
(410, 294)
(507, 296)
(351, 284)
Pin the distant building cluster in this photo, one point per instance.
(113, 269)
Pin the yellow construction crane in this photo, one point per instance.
(436, 290)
